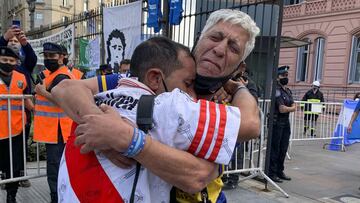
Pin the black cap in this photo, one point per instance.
(105, 67)
(6, 51)
(53, 48)
(283, 69)
(64, 50)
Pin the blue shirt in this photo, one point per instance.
(108, 82)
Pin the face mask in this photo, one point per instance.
(66, 61)
(6, 67)
(209, 85)
(51, 64)
(284, 81)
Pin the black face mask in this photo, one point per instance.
(66, 61)
(7, 67)
(284, 81)
(51, 64)
(209, 85)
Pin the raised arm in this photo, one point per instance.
(250, 119)
(76, 97)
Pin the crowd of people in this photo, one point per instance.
(159, 129)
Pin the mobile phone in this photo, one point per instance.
(16, 23)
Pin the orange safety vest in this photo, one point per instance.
(17, 87)
(48, 116)
(77, 73)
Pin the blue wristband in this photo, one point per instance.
(137, 143)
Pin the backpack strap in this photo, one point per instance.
(144, 121)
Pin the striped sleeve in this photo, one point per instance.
(203, 128)
(107, 82)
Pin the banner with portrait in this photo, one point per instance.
(122, 32)
(64, 37)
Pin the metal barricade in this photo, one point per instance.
(35, 171)
(252, 156)
(318, 122)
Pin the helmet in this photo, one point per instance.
(316, 83)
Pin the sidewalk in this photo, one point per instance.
(318, 175)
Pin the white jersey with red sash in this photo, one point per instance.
(203, 128)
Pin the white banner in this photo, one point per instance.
(65, 37)
(93, 53)
(122, 32)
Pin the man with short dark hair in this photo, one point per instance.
(125, 68)
(161, 66)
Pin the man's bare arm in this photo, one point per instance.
(76, 97)
(250, 119)
(286, 109)
(353, 117)
(179, 168)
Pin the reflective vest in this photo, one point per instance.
(48, 116)
(77, 73)
(309, 106)
(17, 87)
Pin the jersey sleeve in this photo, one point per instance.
(108, 82)
(204, 129)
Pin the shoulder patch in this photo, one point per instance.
(278, 93)
(20, 84)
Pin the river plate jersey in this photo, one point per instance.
(202, 128)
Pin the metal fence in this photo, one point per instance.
(30, 170)
(266, 13)
(250, 156)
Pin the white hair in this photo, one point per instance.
(238, 18)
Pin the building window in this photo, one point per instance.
(354, 76)
(39, 18)
(292, 2)
(39, 1)
(319, 58)
(302, 62)
(65, 3)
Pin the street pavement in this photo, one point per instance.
(318, 175)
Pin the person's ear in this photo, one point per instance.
(153, 79)
(61, 59)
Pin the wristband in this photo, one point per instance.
(239, 88)
(137, 143)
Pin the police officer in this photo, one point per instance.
(284, 104)
(14, 83)
(51, 125)
(313, 96)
